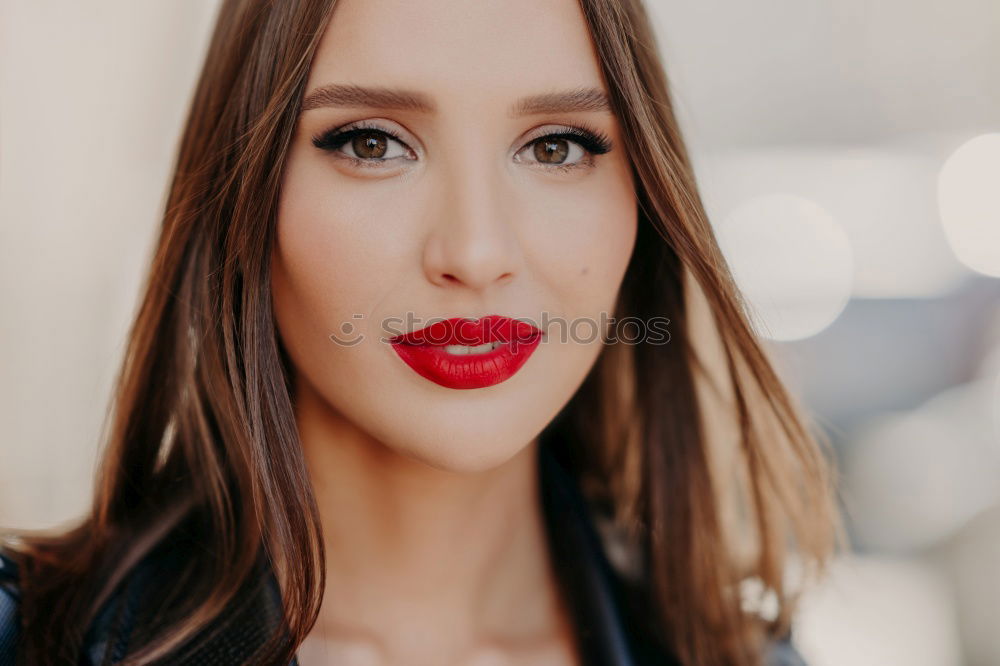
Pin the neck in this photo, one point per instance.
(417, 555)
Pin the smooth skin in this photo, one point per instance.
(435, 544)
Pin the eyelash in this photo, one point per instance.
(593, 141)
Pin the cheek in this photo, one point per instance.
(330, 268)
(333, 250)
(583, 248)
(580, 249)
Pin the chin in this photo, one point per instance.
(461, 452)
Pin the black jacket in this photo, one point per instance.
(593, 587)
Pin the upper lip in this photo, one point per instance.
(466, 331)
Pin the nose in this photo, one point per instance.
(472, 241)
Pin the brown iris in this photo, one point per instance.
(548, 149)
(369, 145)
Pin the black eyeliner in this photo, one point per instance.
(594, 141)
(335, 138)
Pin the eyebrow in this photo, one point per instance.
(350, 95)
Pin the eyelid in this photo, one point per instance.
(580, 133)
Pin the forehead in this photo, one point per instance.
(458, 49)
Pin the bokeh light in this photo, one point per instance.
(969, 203)
(882, 196)
(791, 260)
(869, 611)
(923, 474)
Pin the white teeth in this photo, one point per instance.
(478, 349)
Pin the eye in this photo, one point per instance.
(367, 145)
(572, 147)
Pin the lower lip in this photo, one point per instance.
(467, 371)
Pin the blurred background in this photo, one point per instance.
(848, 152)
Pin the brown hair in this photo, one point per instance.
(201, 437)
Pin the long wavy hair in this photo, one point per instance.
(711, 472)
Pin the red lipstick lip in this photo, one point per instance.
(423, 350)
(465, 331)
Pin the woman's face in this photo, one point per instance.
(454, 200)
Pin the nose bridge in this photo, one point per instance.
(471, 240)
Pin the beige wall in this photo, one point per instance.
(92, 96)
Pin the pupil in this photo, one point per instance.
(369, 145)
(546, 150)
